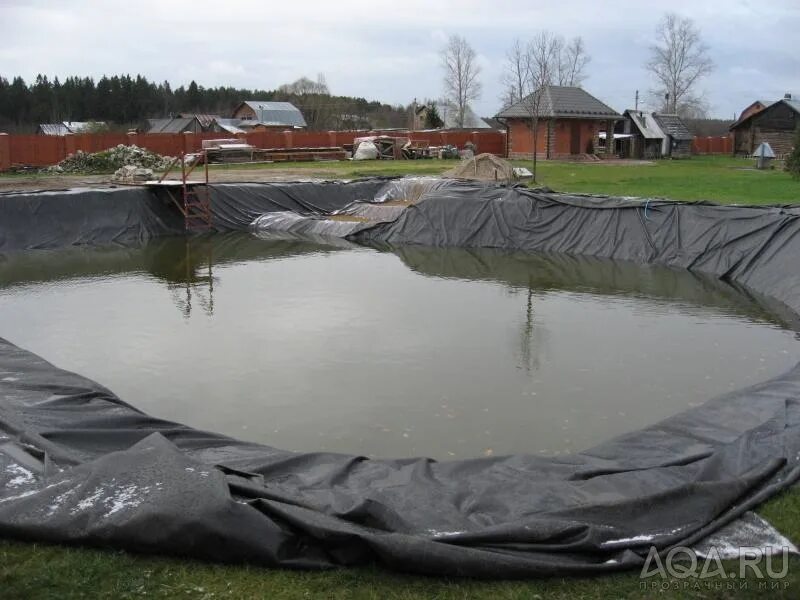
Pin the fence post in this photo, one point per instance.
(133, 138)
(287, 139)
(5, 152)
(188, 142)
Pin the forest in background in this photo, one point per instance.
(125, 101)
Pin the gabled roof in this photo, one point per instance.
(673, 126)
(791, 103)
(563, 102)
(643, 121)
(276, 113)
(173, 125)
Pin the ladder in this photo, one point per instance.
(194, 202)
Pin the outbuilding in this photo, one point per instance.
(774, 123)
(569, 124)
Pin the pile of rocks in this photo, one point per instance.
(131, 174)
(109, 161)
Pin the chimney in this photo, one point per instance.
(787, 96)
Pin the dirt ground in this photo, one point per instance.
(35, 182)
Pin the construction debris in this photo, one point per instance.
(132, 174)
(484, 167)
(109, 161)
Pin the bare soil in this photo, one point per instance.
(11, 183)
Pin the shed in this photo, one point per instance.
(677, 142)
(570, 120)
(775, 124)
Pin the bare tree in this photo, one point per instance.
(516, 74)
(678, 60)
(543, 59)
(573, 59)
(461, 73)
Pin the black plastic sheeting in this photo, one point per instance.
(131, 216)
(80, 465)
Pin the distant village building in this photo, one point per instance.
(569, 124)
(649, 135)
(448, 113)
(771, 122)
(180, 124)
(67, 127)
(268, 114)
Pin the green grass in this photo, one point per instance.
(50, 571)
(717, 178)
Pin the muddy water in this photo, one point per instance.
(446, 353)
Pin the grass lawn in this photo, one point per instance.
(49, 571)
(717, 178)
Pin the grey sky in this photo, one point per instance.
(389, 50)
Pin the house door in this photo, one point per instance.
(575, 137)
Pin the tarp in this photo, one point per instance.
(131, 216)
(80, 465)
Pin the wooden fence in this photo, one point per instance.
(713, 145)
(44, 150)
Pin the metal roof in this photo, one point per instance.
(277, 113)
(229, 125)
(53, 129)
(173, 125)
(643, 121)
(66, 127)
(564, 102)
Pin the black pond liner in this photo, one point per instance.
(77, 464)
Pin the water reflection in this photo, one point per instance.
(389, 351)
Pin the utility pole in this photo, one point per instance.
(636, 107)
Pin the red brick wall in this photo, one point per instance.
(521, 138)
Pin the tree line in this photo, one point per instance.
(126, 101)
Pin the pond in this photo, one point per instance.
(448, 353)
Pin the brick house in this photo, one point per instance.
(774, 123)
(569, 123)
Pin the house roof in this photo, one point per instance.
(558, 101)
(643, 121)
(449, 115)
(53, 129)
(229, 125)
(276, 113)
(791, 103)
(673, 126)
(66, 127)
(173, 125)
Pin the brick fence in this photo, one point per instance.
(43, 150)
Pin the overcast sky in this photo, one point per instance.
(389, 50)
